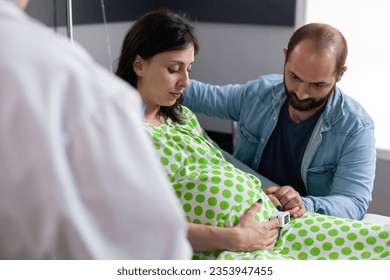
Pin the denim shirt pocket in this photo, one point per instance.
(320, 180)
(247, 136)
(246, 145)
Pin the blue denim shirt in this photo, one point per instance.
(338, 166)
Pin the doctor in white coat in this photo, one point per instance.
(78, 177)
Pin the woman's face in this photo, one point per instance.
(162, 78)
(22, 3)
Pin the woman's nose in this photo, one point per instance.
(185, 80)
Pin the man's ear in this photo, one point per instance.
(285, 54)
(138, 65)
(342, 73)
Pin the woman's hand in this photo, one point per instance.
(252, 235)
(248, 235)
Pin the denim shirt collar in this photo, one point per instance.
(334, 109)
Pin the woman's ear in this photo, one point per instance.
(138, 65)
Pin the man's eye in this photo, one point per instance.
(319, 85)
(294, 77)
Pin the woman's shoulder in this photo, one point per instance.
(191, 119)
(187, 113)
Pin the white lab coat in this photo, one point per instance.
(78, 177)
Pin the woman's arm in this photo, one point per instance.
(248, 235)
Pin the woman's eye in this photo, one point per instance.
(173, 71)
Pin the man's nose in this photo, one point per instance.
(303, 91)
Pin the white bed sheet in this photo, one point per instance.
(376, 218)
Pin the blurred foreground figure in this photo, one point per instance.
(78, 179)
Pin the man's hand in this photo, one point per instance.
(288, 198)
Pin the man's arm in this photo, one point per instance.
(216, 101)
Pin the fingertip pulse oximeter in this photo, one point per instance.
(283, 217)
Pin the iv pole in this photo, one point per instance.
(69, 17)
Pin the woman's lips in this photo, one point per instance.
(176, 94)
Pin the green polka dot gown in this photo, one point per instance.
(213, 192)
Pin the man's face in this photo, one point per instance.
(309, 77)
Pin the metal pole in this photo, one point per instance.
(69, 17)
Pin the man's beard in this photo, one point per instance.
(306, 104)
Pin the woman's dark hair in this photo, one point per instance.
(156, 32)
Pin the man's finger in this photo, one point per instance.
(280, 192)
(271, 189)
